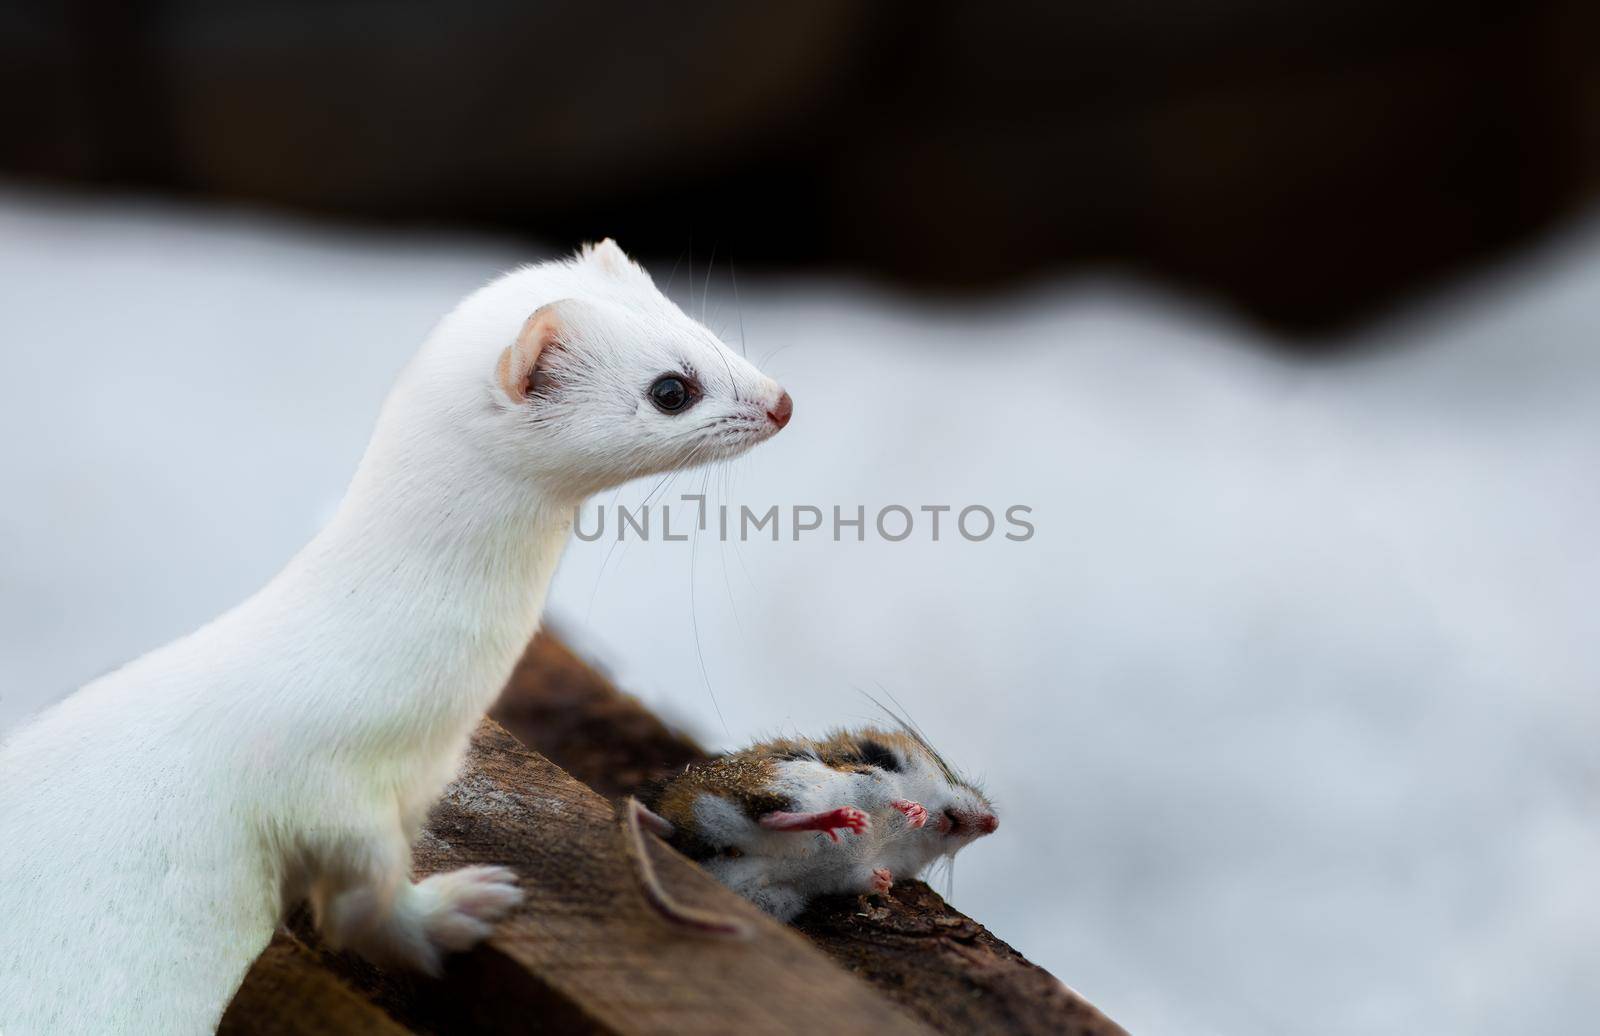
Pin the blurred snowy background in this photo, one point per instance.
(1289, 705)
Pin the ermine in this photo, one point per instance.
(784, 821)
(155, 824)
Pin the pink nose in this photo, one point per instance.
(988, 823)
(779, 414)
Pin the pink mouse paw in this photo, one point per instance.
(882, 880)
(852, 819)
(829, 822)
(845, 818)
(916, 813)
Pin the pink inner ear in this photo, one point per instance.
(517, 363)
(610, 256)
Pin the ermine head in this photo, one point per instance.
(596, 378)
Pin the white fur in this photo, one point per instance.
(154, 825)
(781, 871)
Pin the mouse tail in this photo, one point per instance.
(635, 818)
(649, 819)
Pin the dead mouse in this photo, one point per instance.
(790, 819)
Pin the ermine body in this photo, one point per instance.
(155, 825)
(787, 820)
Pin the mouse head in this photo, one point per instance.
(957, 810)
(610, 380)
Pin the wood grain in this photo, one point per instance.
(584, 953)
(916, 949)
(290, 993)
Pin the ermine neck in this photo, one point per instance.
(436, 571)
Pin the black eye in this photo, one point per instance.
(671, 393)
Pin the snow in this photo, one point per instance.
(1289, 703)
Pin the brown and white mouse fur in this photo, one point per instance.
(784, 821)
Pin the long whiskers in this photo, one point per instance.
(903, 719)
(698, 451)
(722, 547)
(733, 277)
(694, 618)
(705, 289)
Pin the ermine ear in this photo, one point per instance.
(519, 364)
(608, 256)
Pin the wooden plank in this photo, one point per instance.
(935, 961)
(946, 968)
(587, 956)
(557, 702)
(290, 993)
(585, 953)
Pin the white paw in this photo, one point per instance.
(459, 908)
(443, 914)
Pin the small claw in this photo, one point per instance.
(915, 812)
(853, 819)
